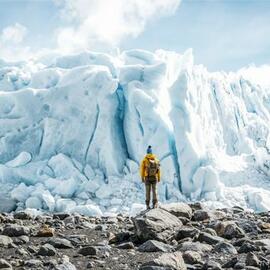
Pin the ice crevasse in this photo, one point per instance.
(74, 129)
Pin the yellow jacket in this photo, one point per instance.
(144, 164)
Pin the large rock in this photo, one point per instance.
(5, 241)
(156, 224)
(252, 260)
(209, 239)
(201, 215)
(195, 246)
(265, 243)
(14, 230)
(192, 257)
(228, 230)
(178, 209)
(4, 264)
(154, 246)
(225, 247)
(60, 243)
(47, 250)
(187, 231)
(88, 250)
(167, 261)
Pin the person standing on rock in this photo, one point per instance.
(150, 175)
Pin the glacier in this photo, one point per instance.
(74, 129)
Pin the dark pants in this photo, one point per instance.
(151, 187)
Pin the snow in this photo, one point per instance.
(74, 130)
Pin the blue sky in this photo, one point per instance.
(224, 34)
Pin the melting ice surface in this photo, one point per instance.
(73, 132)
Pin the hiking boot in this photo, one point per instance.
(155, 205)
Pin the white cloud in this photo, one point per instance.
(11, 43)
(13, 33)
(107, 22)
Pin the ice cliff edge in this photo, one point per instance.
(74, 131)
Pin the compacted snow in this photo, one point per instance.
(74, 130)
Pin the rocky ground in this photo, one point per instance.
(173, 236)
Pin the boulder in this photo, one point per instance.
(178, 209)
(209, 239)
(211, 265)
(14, 230)
(5, 241)
(88, 250)
(225, 247)
(252, 260)
(154, 246)
(192, 257)
(156, 224)
(168, 261)
(195, 246)
(60, 243)
(264, 243)
(201, 215)
(248, 246)
(228, 230)
(126, 245)
(47, 250)
(4, 264)
(187, 231)
(22, 215)
(33, 263)
(45, 231)
(21, 240)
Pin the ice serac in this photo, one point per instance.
(74, 129)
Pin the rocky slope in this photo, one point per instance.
(172, 237)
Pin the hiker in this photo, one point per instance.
(150, 174)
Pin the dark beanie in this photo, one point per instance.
(149, 150)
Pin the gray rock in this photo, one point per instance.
(33, 263)
(209, 239)
(167, 261)
(265, 243)
(154, 246)
(178, 209)
(192, 257)
(225, 247)
(47, 250)
(21, 240)
(186, 231)
(61, 216)
(201, 215)
(22, 252)
(252, 260)
(5, 241)
(14, 230)
(66, 266)
(248, 246)
(233, 231)
(228, 230)
(195, 246)
(4, 264)
(88, 250)
(60, 243)
(126, 245)
(156, 224)
(119, 237)
(239, 265)
(231, 263)
(22, 215)
(210, 231)
(211, 265)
